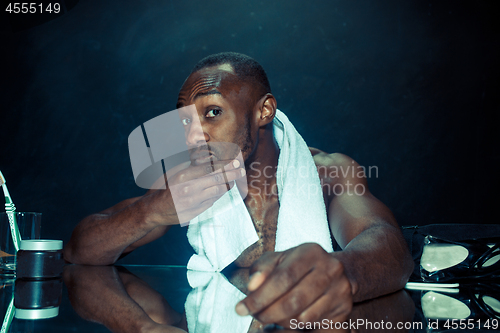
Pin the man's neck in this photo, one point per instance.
(262, 165)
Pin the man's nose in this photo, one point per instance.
(195, 135)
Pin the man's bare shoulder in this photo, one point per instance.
(336, 160)
(337, 168)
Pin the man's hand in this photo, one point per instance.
(100, 239)
(304, 283)
(193, 190)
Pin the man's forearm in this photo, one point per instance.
(98, 294)
(377, 262)
(100, 239)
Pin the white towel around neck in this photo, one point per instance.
(221, 233)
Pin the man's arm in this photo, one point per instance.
(119, 300)
(100, 239)
(375, 256)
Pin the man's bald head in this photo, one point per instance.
(246, 69)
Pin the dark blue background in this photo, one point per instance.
(408, 86)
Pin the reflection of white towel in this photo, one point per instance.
(210, 305)
(219, 238)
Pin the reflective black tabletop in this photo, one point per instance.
(171, 299)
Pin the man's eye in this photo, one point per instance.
(186, 121)
(213, 113)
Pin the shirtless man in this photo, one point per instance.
(234, 104)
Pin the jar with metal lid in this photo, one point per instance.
(37, 299)
(39, 259)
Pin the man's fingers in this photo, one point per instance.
(188, 215)
(207, 200)
(275, 282)
(256, 281)
(194, 186)
(331, 306)
(222, 177)
(315, 297)
(202, 170)
(289, 282)
(266, 263)
(259, 271)
(262, 268)
(296, 300)
(197, 187)
(217, 166)
(215, 191)
(318, 312)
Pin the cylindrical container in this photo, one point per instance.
(39, 259)
(37, 299)
(29, 225)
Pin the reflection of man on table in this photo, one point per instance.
(116, 298)
(233, 100)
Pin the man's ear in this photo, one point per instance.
(266, 109)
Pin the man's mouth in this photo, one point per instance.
(201, 157)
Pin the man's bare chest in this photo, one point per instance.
(265, 222)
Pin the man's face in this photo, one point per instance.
(224, 108)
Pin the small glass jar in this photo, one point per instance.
(39, 259)
(37, 299)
